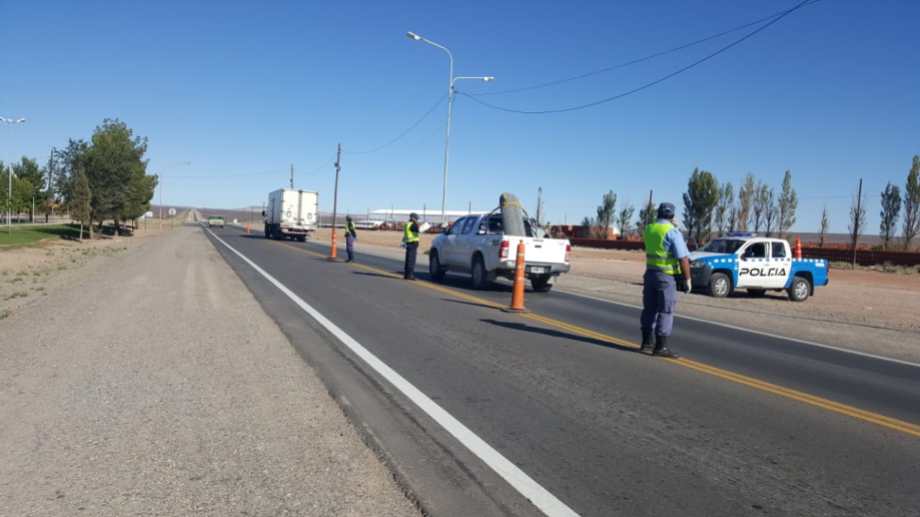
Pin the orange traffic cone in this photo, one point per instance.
(332, 250)
(798, 247)
(517, 292)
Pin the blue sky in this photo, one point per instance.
(242, 90)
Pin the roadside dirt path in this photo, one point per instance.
(157, 386)
(868, 311)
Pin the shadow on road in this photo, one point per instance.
(555, 333)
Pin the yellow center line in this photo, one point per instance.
(789, 393)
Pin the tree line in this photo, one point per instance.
(98, 180)
(709, 208)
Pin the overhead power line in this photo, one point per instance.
(648, 84)
(637, 60)
(402, 134)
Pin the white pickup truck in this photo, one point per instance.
(477, 245)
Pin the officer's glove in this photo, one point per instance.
(688, 287)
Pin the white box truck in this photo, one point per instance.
(291, 214)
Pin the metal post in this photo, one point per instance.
(450, 109)
(292, 176)
(335, 199)
(857, 221)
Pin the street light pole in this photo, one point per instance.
(450, 109)
(9, 192)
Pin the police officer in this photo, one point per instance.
(411, 240)
(351, 235)
(667, 271)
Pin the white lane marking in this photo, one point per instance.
(524, 484)
(752, 331)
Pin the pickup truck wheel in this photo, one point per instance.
(800, 290)
(757, 293)
(480, 276)
(541, 284)
(434, 266)
(720, 285)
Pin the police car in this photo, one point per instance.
(757, 264)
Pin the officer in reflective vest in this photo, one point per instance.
(667, 271)
(351, 235)
(410, 240)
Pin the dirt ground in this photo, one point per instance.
(154, 384)
(861, 309)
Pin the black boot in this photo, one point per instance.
(646, 342)
(661, 348)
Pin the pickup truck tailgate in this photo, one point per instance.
(538, 250)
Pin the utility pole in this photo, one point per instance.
(539, 206)
(857, 220)
(292, 176)
(335, 197)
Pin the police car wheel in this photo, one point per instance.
(720, 285)
(800, 289)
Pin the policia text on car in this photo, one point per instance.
(667, 271)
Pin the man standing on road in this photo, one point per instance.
(411, 240)
(350, 237)
(667, 264)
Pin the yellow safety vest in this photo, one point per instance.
(656, 256)
(408, 235)
(350, 227)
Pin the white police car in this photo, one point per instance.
(757, 264)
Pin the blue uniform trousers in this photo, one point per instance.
(350, 246)
(659, 299)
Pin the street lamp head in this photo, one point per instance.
(413, 36)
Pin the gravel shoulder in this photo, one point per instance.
(152, 383)
(866, 311)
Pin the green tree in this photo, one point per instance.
(822, 227)
(699, 202)
(625, 220)
(788, 203)
(912, 204)
(745, 202)
(646, 217)
(770, 212)
(116, 168)
(759, 205)
(857, 223)
(32, 193)
(724, 209)
(891, 209)
(606, 212)
(80, 201)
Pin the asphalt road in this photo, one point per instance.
(744, 424)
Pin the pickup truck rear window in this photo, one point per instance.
(779, 250)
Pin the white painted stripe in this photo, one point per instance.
(539, 496)
(752, 331)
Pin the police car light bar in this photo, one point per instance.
(741, 234)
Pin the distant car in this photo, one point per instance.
(215, 220)
(757, 264)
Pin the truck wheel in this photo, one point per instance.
(302, 238)
(757, 293)
(541, 284)
(435, 269)
(720, 285)
(480, 275)
(800, 290)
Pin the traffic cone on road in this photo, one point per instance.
(517, 292)
(332, 250)
(798, 248)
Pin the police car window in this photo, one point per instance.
(468, 226)
(756, 250)
(779, 250)
(723, 246)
